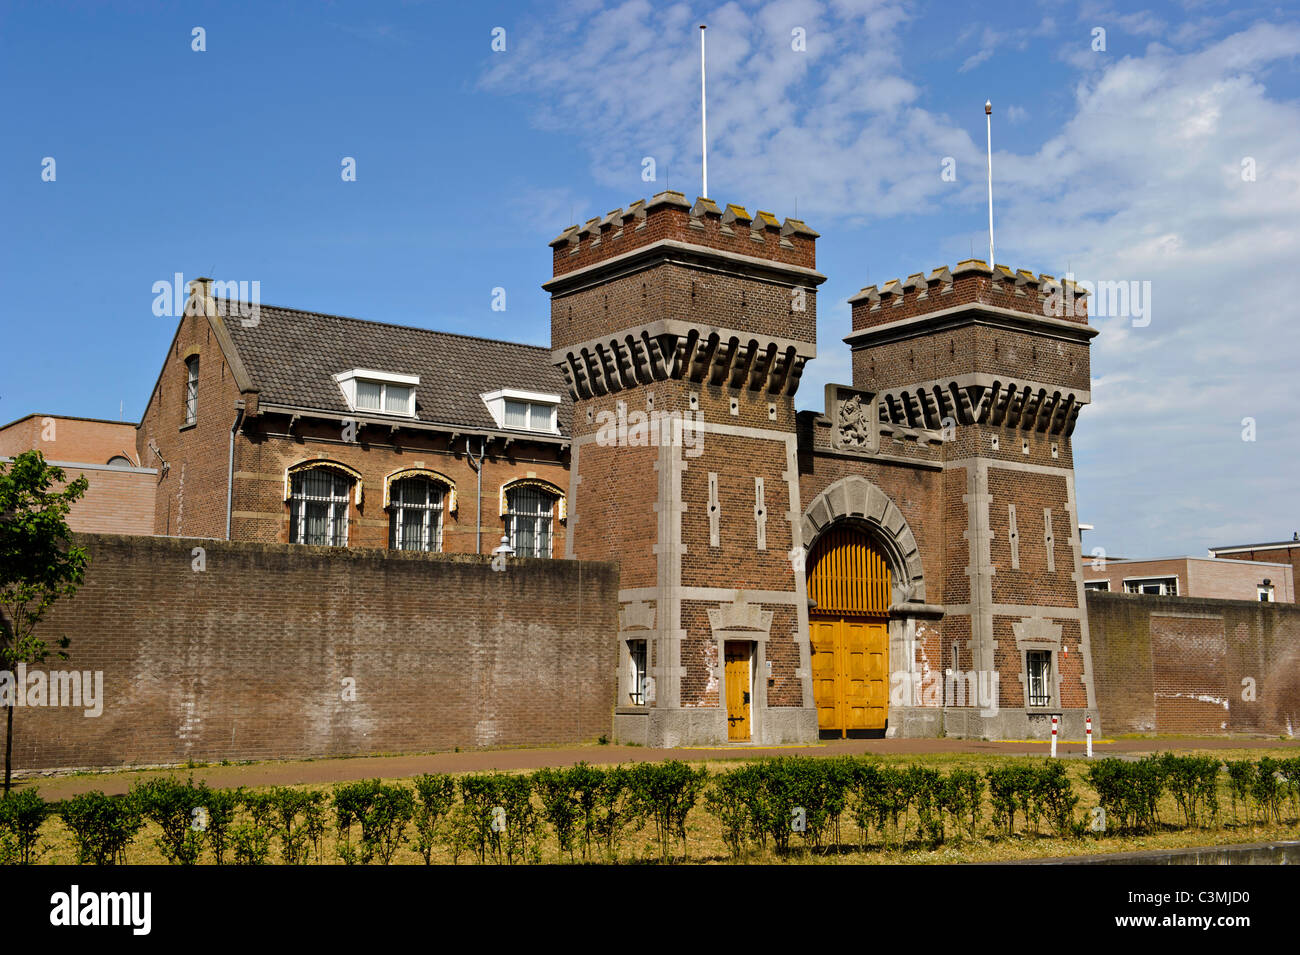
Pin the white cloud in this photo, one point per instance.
(1142, 181)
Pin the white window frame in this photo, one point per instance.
(1169, 585)
(1099, 585)
(513, 518)
(1047, 690)
(347, 382)
(546, 407)
(1265, 593)
(432, 514)
(192, 390)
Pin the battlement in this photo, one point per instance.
(971, 282)
(668, 215)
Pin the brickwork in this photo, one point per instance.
(248, 658)
(268, 448)
(1220, 578)
(1196, 665)
(118, 499)
(712, 512)
(972, 282)
(192, 459)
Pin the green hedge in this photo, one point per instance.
(781, 805)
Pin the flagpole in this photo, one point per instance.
(988, 118)
(704, 120)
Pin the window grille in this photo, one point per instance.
(528, 521)
(1040, 670)
(416, 520)
(637, 660)
(318, 508)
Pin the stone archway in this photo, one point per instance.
(857, 499)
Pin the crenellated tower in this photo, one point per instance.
(682, 331)
(991, 366)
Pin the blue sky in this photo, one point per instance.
(1115, 164)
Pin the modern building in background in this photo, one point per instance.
(1193, 577)
(120, 496)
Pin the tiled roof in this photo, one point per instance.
(292, 357)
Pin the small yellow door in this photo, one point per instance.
(737, 681)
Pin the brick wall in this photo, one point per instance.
(246, 658)
(1182, 665)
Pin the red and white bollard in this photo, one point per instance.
(1089, 736)
(1053, 737)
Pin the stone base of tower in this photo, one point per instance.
(666, 727)
(919, 722)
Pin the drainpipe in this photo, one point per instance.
(230, 469)
(478, 511)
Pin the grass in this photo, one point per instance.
(705, 844)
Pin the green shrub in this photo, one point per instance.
(298, 820)
(1053, 796)
(101, 826)
(665, 793)
(728, 799)
(177, 809)
(382, 812)
(961, 795)
(878, 797)
(924, 789)
(221, 806)
(1268, 788)
(496, 817)
(436, 795)
(1194, 783)
(22, 813)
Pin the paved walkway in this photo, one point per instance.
(299, 772)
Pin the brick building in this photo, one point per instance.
(1277, 552)
(297, 427)
(1222, 579)
(905, 562)
(119, 498)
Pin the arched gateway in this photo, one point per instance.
(866, 594)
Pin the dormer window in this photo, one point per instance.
(514, 410)
(379, 392)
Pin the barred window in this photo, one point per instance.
(318, 508)
(416, 514)
(192, 389)
(637, 673)
(528, 521)
(1040, 673)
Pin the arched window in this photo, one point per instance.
(529, 513)
(119, 461)
(318, 507)
(416, 506)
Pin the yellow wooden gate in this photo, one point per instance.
(849, 582)
(737, 677)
